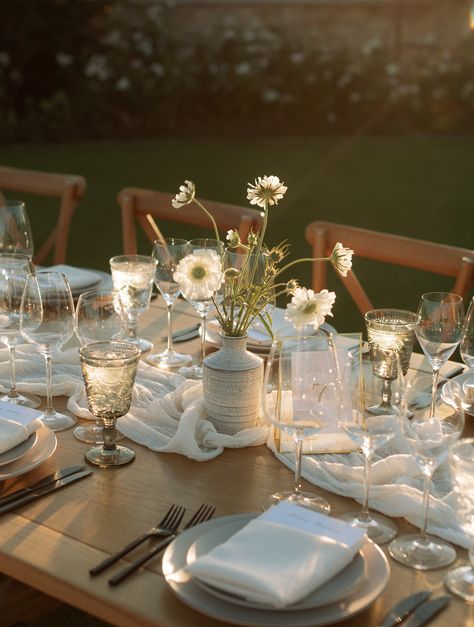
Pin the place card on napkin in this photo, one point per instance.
(17, 423)
(281, 556)
(78, 277)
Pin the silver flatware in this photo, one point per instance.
(46, 489)
(167, 526)
(404, 607)
(426, 611)
(205, 512)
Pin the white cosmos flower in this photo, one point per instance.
(341, 259)
(199, 275)
(308, 308)
(267, 189)
(185, 195)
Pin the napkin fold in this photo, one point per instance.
(78, 277)
(17, 423)
(281, 556)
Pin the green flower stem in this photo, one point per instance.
(292, 263)
(195, 200)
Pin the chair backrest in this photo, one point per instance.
(68, 188)
(394, 249)
(136, 203)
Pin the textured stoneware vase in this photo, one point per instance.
(232, 385)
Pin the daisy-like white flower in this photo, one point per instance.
(267, 190)
(199, 275)
(185, 195)
(308, 308)
(233, 238)
(341, 259)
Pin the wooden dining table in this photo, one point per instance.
(51, 544)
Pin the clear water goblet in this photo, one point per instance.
(467, 354)
(47, 321)
(99, 317)
(15, 230)
(438, 328)
(109, 370)
(133, 277)
(14, 269)
(460, 580)
(168, 255)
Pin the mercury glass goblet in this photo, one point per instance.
(109, 370)
(389, 330)
(15, 230)
(133, 277)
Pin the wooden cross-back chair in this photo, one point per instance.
(68, 188)
(451, 261)
(136, 203)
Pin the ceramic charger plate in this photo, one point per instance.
(43, 449)
(373, 581)
(18, 451)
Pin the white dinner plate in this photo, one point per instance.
(44, 448)
(463, 380)
(183, 585)
(18, 451)
(339, 587)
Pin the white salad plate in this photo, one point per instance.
(18, 451)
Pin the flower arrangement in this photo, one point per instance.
(241, 292)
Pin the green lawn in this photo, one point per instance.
(420, 187)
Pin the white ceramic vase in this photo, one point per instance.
(232, 386)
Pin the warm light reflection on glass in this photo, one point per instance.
(471, 17)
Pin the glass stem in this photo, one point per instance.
(109, 435)
(471, 560)
(298, 451)
(364, 514)
(13, 393)
(386, 392)
(426, 501)
(434, 386)
(203, 337)
(132, 324)
(169, 310)
(49, 386)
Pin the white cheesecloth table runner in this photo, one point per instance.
(167, 415)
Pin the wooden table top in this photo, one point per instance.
(51, 544)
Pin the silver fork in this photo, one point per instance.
(205, 512)
(166, 527)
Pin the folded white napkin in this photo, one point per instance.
(281, 556)
(78, 277)
(17, 423)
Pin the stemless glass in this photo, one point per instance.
(438, 328)
(47, 321)
(99, 317)
(109, 370)
(301, 396)
(15, 230)
(14, 269)
(460, 580)
(133, 277)
(168, 255)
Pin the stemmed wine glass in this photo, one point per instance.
(133, 277)
(438, 328)
(99, 317)
(14, 269)
(301, 396)
(371, 431)
(47, 321)
(460, 580)
(467, 340)
(109, 370)
(15, 230)
(168, 255)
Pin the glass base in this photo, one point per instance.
(143, 345)
(25, 400)
(460, 581)
(117, 457)
(89, 433)
(57, 421)
(422, 553)
(168, 359)
(380, 529)
(304, 499)
(193, 372)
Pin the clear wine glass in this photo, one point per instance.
(371, 431)
(47, 321)
(15, 230)
(133, 277)
(438, 327)
(109, 370)
(99, 317)
(301, 396)
(168, 255)
(460, 580)
(429, 437)
(14, 269)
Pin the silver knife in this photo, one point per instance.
(35, 494)
(426, 611)
(404, 607)
(59, 474)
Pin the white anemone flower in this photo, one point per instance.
(308, 308)
(199, 274)
(267, 190)
(341, 259)
(185, 195)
